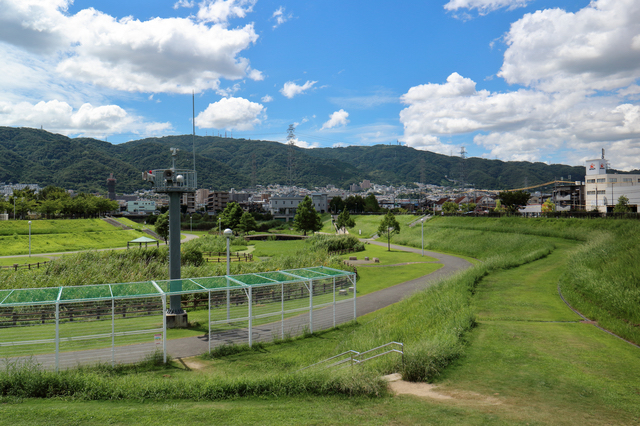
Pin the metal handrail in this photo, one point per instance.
(354, 355)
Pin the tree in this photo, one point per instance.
(162, 226)
(307, 218)
(449, 207)
(512, 200)
(345, 220)
(247, 222)
(548, 206)
(622, 206)
(336, 204)
(468, 207)
(231, 215)
(354, 203)
(371, 203)
(389, 225)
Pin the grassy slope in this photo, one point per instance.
(50, 236)
(541, 372)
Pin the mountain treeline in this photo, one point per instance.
(36, 156)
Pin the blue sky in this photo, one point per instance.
(551, 81)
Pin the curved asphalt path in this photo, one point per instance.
(191, 346)
(323, 319)
(373, 301)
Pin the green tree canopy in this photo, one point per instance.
(247, 222)
(231, 215)
(307, 218)
(345, 220)
(622, 206)
(371, 203)
(388, 226)
(548, 206)
(336, 204)
(512, 200)
(162, 226)
(449, 207)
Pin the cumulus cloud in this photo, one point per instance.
(132, 55)
(484, 6)
(291, 89)
(595, 48)
(184, 3)
(88, 120)
(337, 119)
(304, 144)
(266, 98)
(220, 11)
(519, 125)
(231, 113)
(578, 74)
(280, 16)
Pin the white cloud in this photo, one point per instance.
(184, 3)
(485, 6)
(337, 119)
(580, 74)
(280, 16)
(266, 98)
(593, 49)
(291, 89)
(231, 113)
(229, 91)
(304, 144)
(132, 55)
(220, 11)
(89, 121)
(520, 125)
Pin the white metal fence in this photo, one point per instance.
(64, 327)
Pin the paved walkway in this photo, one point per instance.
(322, 319)
(190, 346)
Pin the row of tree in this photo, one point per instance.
(354, 204)
(53, 201)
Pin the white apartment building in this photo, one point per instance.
(140, 206)
(602, 189)
(284, 207)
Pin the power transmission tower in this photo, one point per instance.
(291, 137)
(463, 157)
(253, 171)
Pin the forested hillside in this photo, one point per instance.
(37, 156)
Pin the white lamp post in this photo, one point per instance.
(219, 225)
(422, 223)
(191, 223)
(29, 238)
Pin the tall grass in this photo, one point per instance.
(105, 383)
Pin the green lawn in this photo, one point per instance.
(10, 261)
(367, 225)
(51, 236)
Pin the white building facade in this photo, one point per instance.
(284, 207)
(602, 189)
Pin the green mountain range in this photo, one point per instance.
(83, 164)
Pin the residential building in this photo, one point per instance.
(284, 207)
(217, 201)
(141, 206)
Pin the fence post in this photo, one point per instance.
(209, 323)
(113, 332)
(57, 336)
(311, 306)
(250, 316)
(334, 302)
(282, 311)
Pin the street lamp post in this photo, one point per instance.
(219, 226)
(228, 233)
(191, 223)
(29, 238)
(422, 223)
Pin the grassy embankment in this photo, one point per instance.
(517, 367)
(367, 224)
(51, 236)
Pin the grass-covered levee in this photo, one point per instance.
(434, 324)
